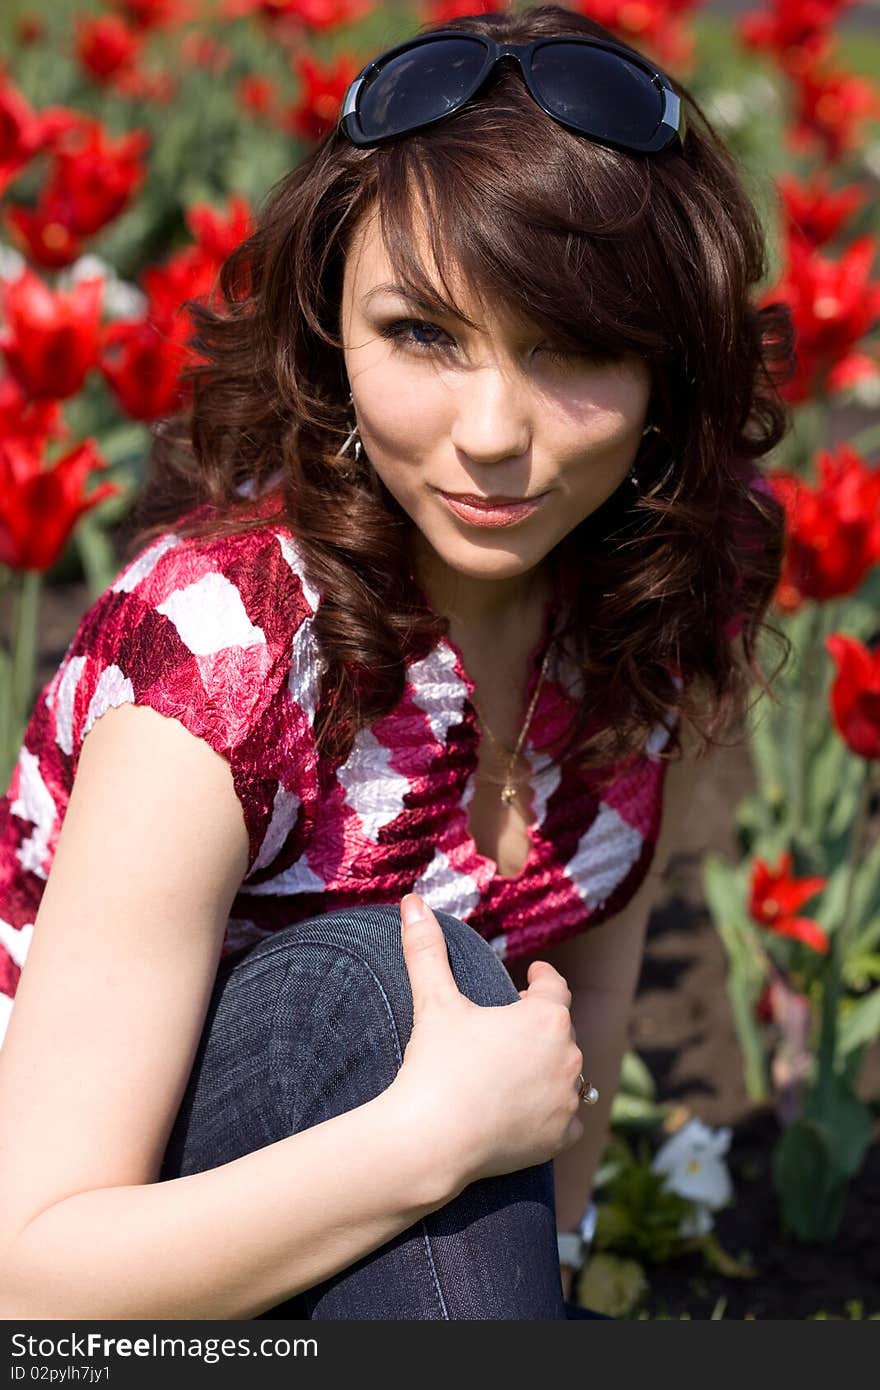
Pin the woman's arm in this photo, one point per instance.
(231, 1242)
(602, 968)
(107, 1018)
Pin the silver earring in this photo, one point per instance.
(352, 435)
(634, 477)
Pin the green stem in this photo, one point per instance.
(801, 722)
(833, 973)
(754, 1060)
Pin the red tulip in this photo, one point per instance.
(834, 304)
(813, 213)
(157, 14)
(833, 529)
(29, 29)
(321, 92)
(855, 694)
(216, 235)
(188, 274)
(92, 181)
(657, 25)
(106, 46)
(763, 1010)
(775, 897)
(333, 14)
(157, 85)
(22, 133)
(37, 421)
(311, 14)
(39, 507)
(43, 235)
(831, 106)
(96, 175)
(51, 337)
(793, 31)
(204, 51)
(257, 94)
(142, 362)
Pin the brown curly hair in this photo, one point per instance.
(619, 253)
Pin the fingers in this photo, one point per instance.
(546, 981)
(425, 955)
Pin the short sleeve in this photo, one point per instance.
(207, 632)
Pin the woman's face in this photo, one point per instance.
(442, 408)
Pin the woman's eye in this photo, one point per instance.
(422, 336)
(569, 357)
(411, 333)
(559, 354)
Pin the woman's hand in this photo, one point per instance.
(494, 1089)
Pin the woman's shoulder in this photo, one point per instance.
(203, 628)
(258, 568)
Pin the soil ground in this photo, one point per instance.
(683, 1030)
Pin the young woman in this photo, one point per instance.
(459, 559)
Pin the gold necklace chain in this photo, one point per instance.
(508, 790)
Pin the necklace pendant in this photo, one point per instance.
(508, 795)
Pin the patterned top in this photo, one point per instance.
(217, 633)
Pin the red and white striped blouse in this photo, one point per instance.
(217, 633)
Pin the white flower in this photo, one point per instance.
(871, 159)
(691, 1163)
(120, 299)
(867, 392)
(12, 263)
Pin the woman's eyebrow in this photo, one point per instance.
(416, 300)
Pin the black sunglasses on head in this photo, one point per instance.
(588, 85)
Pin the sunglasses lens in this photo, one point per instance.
(596, 90)
(419, 85)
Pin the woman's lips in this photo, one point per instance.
(490, 514)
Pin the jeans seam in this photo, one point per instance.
(347, 951)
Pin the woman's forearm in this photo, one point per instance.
(601, 1020)
(233, 1241)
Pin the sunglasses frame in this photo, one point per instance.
(670, 127)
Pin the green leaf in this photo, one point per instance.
(808, 1182)
(97, 553)
(866, 889)
(860, 1023)
(635, 1078)
(824, 775)
(861, 969)
(844, 808)
(768, 756)
(123, 443)
(717, 1258)
(724, 893)
(611, 1285)
(827, 907)
(633, 1112)
(847, 1126)
(869, 938)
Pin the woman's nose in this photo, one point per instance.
(491, 420)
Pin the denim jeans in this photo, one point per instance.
(312, 1022)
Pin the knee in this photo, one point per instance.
(367, 940)
(342, 1011)
(309, 1023)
